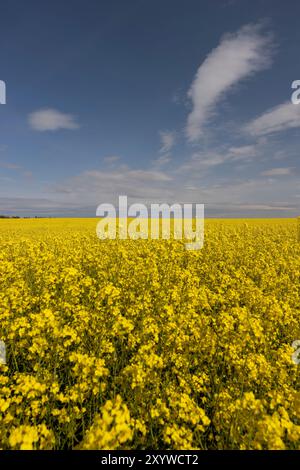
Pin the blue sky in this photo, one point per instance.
(162, 101)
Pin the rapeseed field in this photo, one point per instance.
(141, 344)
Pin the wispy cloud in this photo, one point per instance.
(277, 172)
(168, 139)
(10, 166)
(243, 152)
(226, 196)
(36, 205)
(51, 120)
(16, 168)
(279, 118)
(96, 186)
(111, 159)
(201, 162)
(161, 161)
(237, 57)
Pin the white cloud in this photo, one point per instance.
(161, 161)
(10, 166)
(237, 56)
(51, 120)
(280, 118)
(14, 167)
(95, 186)
(243, 152)
(111, 159)
(277, 172)
(167, 141)
(225, 196)
(204, 161)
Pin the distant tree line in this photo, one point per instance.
(18, 217)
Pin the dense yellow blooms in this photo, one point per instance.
(138, 344)
(110, 430)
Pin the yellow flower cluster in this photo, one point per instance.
(110, 430)
(138, 344)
